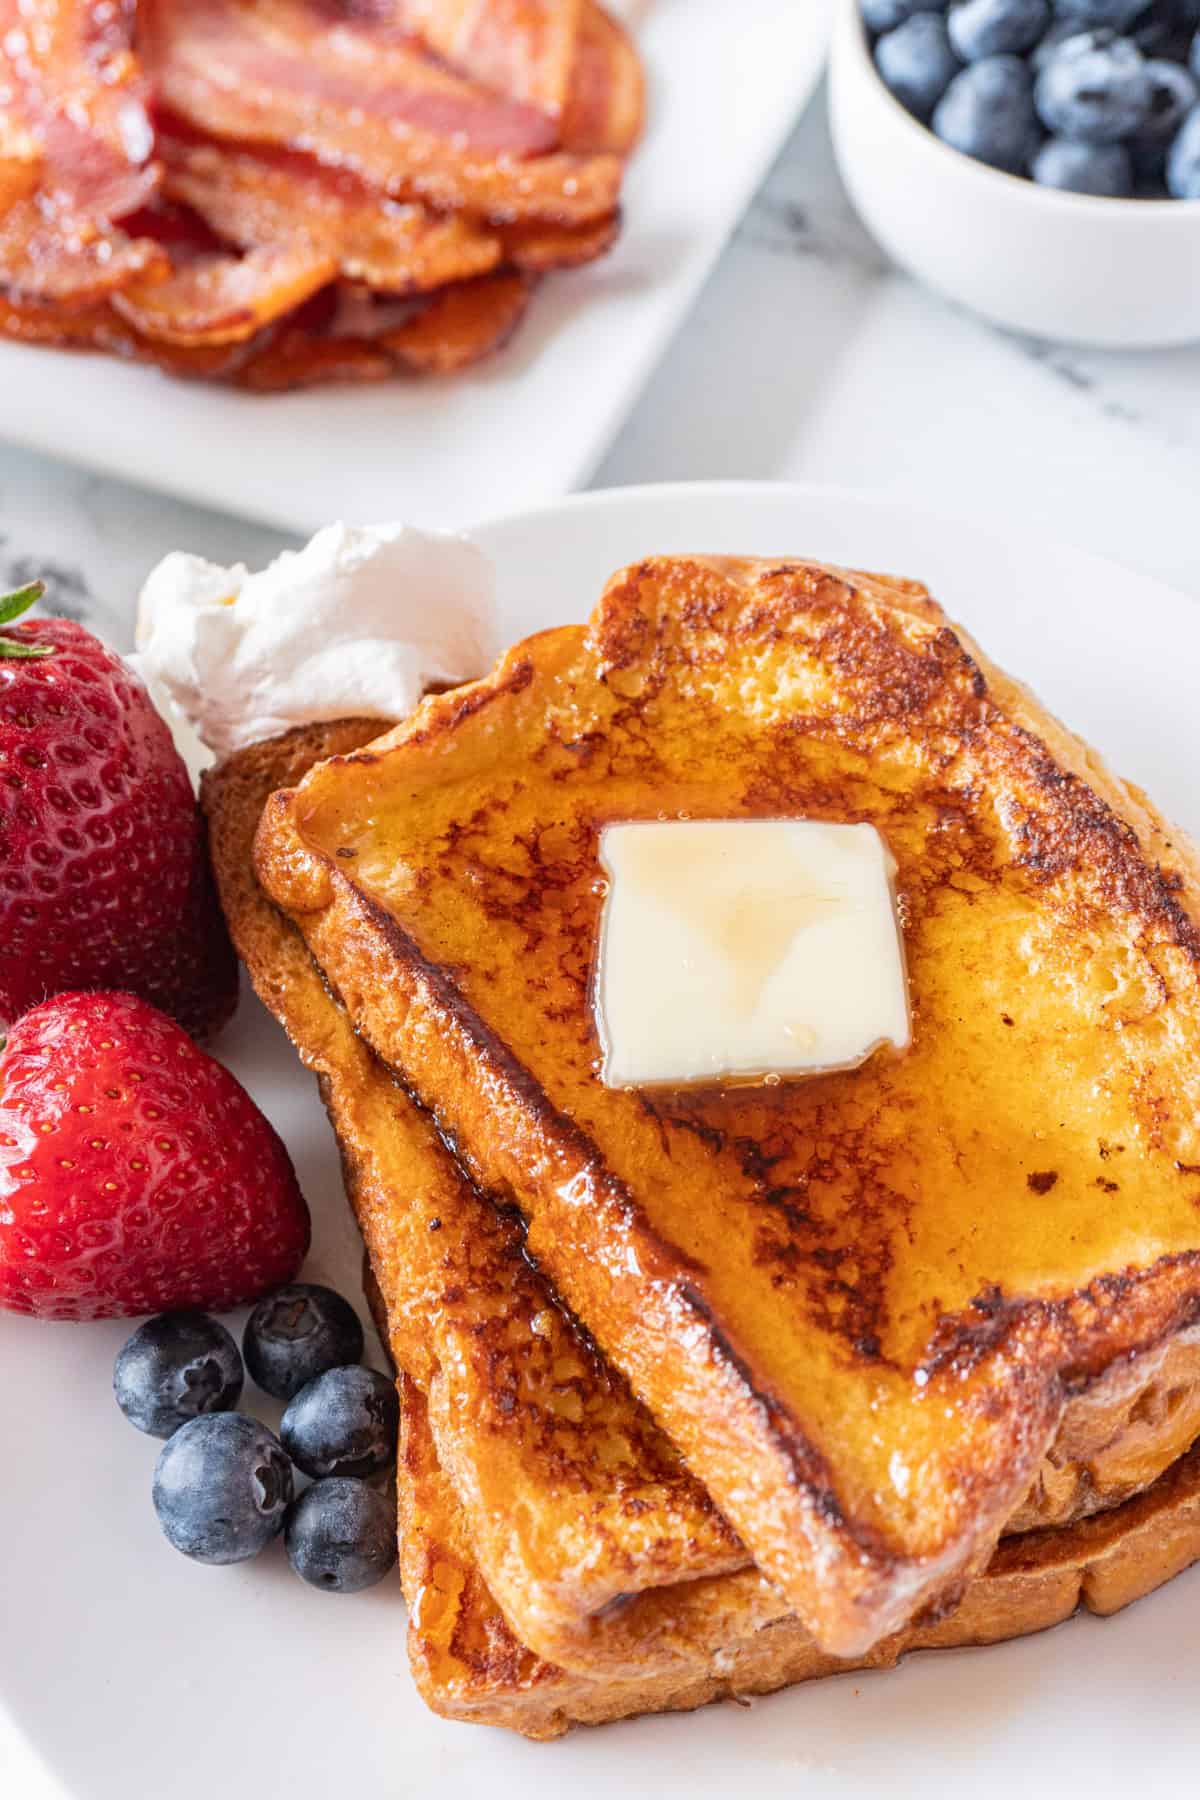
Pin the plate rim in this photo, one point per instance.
(722, 489)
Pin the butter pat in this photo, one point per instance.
(746, 948)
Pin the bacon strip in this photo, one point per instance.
(568, 58)
(259, 197)
(454, 328)
(461, 325)
(539, 249)
(99, 328)
(256, 197)
(320, 343)
(523, 49)
(301, 358)
(605, 110)
(275, 72)
(75, 149)
(217, 298)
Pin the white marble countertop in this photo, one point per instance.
(808, 357)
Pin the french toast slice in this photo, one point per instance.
(468, 1665)
(562, 1523)
(467, 1661)
(861, 1303)
(573, 1497)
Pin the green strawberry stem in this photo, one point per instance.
(11, 607)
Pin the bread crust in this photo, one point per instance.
(468, 1665)
(1041, 894)
(574, 1499)
(468, 1661)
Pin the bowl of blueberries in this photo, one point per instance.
(1035, 160)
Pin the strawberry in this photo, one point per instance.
(136, 1174)
(104, 876)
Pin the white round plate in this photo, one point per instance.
(127, 1671)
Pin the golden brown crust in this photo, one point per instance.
(468, 1665)
(478, 1329)
(466, 1659)
(575, 1498)
(958, 1270)
(1117, 1436)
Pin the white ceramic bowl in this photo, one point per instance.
(1118, 273)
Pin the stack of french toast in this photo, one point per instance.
(711, 1389)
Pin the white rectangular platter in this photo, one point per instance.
(725, 83)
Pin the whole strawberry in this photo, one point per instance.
(136, 1174)
(104, 877)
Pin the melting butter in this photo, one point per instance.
(746, 948)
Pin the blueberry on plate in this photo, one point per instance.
(346, 1422)
(1175, 93)
(917, 63)
(1119, 14)
(174, 1368)
(885, 15)
(987, 112)
(341, 1535)
(295, 1334)
(1183, 160)
(222, 1487)
(1103, 169)
(981, 28)
(1095, 95)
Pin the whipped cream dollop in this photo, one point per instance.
(356, 625)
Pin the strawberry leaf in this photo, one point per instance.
(19, 601)
(11, 607)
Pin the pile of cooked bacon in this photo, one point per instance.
(277, 192)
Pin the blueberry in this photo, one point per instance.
(917, 63)
(1183, 160)
(981, 28)
(1194, 58)
(1119, 14)
(1084, 168)
(1095, 96)
(296, 1334)
(174, 1368)
(987, 112)
(1175, 93)
(1065, 31)
(344, 1423)
(222, 1487)
(341, 1536)
(885, 15)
